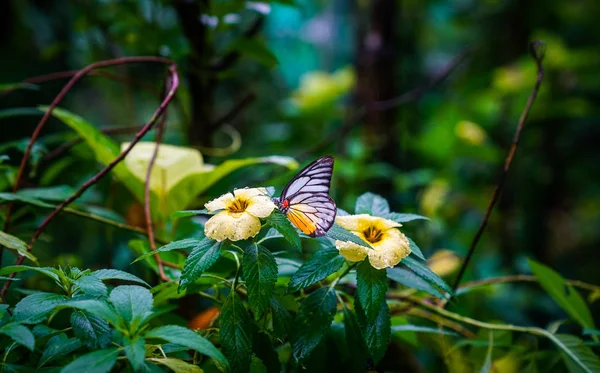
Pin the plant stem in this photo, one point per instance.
(344, 273)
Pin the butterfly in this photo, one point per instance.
(305, 199)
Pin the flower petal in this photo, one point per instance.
(249, 193)
(235, 227)
(260, 206)
(390, 250)
(219, 203)
(351, 251)
(359, 223)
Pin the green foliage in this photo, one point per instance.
(260, 273)
(377, 331)
(322, 264)
(202, 257)
(236, 331)
(16, 244)
(371, 287)
(101, 361)
(279, 222)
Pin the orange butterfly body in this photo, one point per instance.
(305, 199)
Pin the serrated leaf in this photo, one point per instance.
(577, 356)
(115, 274)
(410, 279)
(101, 361)
(33, 308)
(16, 244)
(354, 338)
(372, 204)
(281, 223)
(93, 331)
(186, 243)
(282, 320)
(91, 285)
(235, 331)
(414, 249)
(403, 218)
(47, 271)
(376, 332)
(202, 257)
(338, 233)
(313, 320)
(132, 302)
(57, 347)
(260, 273)
(177, 366)
(421, 270)
(20, 334)
(323, 263)
(135, 350)
(190, 339)
(564, 294)
(186, 213)
(97, 308)
(371, 286)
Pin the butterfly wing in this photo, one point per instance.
(305, 200)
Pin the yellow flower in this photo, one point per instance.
(239, 219)
(389, 244)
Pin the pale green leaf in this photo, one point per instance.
(577, 356)
(177, 366)
(421, 270)
(403, 218)
(410, 279)
(371, 204)
(16, 244)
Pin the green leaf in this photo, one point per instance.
(97, 308)
(177, 366)
(372, 204)
(56, 193)
(57, 347)
(487, 363)
(323, 263)
(371, 286)
(101, 361)
(265, 351)
(186, 213)
(19, 334)
(257, 366)
(403, 218)
(12, 197)
(91, 285)
(425, 273)
(260, 273)
(256, 49)
(202, 257)
(135, 350)
(564, 294)
(48, 271)
(175, 245)
(415, 249)
(16, 244)
(421, 329)
(33, 308)
(190, 339)
(132, 302)
(338, 233)
(281, 223)
(410, 279)
(577, 356)
(235, 331)
(377, 331)
(313, 320)
(93, 331)
(354, 338)
(115, 274)
(282, 320)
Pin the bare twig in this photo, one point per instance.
(522, 278)
(410, 96)
(109, 167)
(537, 52)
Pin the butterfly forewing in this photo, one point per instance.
(305, 200)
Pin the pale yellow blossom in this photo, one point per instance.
(389, 245)
(240, 218)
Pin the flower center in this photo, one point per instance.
(237, 206)
(373, 234)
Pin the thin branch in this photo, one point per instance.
(523, 278)
(235, 110)
(537, 52)
(410, 96)
(109, 167)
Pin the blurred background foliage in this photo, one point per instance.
(306, 75)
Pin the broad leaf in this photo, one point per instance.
(202, 257)
(91, 285)
(16, 244)
(93, 331)
(421, 270)
(313, 320)
(48, 271)
(56, 193)
(372, 204)
(577, 356)
(282, 320)
(377, 331)
(97, 308)
(371, 286)
(564, 294)
(188, 338)
(186, 243)
(410, 279)
(57, 347)
(260, 273)
(115, 274)
(323, 263)
(132, 302)
(357, 348)
(135, 350)
(35, 307)
(19, 334)
(177, 366)
(235, 331)
(338, 233)
(281, 223)
(101, 361)
(403, 218)
(414, 249)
